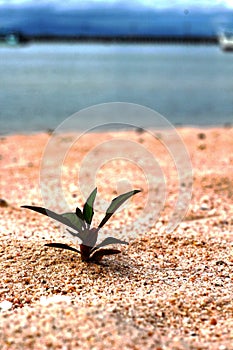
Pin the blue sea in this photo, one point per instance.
(43, 84)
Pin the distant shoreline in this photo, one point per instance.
(127, 39)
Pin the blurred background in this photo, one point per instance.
(58, 57)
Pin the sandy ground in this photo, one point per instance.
(164, 291)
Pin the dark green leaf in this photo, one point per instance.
(107, 241)
(62, 246)
(97, 256)
(74, 219)
(80, 216)
(88, 210)
(115, 204)
(51, 214)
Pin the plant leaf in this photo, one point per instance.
(75, 220)
(80, 235)
(80, 216)
(107, 241)
(62, 246)
(90, 237)
(98, 255)
(88, 210)
(115, 204)
(51, 214)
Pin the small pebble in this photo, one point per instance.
(3, 203)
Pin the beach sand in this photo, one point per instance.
(166, 290)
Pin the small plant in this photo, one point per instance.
(80, 222)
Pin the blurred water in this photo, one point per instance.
(42, 84)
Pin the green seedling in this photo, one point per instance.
(80, 223)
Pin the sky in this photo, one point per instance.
(149, 3)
